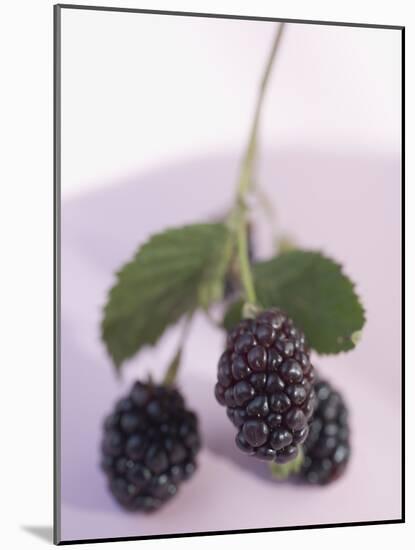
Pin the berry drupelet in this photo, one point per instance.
(327, 448)
(149, 446)
(265, 380)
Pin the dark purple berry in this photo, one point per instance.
(229, 397)
(274, 383)
(301, 435)
(280, 402)
(274, 420)
(149, 446)
(220, 394)
(287, 454)
(112, 443)
(280, 439)
(258, 406)
(291, 372)
(297, 393)
(327, 446)
(255, 432)
(243, 444)
(237, 416)
(140, 394)
(275, 360)
(139, 475)
(265, 334)
(295, 419)
(258, 380)
(266, 381)
(224, 371)
(239, 368)
(130, 422)
(265, 453)
(242, 392)
(244, 343)
(136, 446)
(156, 459)
(257, 358)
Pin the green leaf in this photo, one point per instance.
(172, 274)
(313, 290)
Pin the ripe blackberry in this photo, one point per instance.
(149, 446)
(327, 448)
(265, 379)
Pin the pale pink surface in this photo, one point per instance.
(345, 205)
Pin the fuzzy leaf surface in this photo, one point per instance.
(173, 273)
(313, 290)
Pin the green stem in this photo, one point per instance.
(174, 366)
(252, 144)
(244, 263)
(238, 216)
(284, 471)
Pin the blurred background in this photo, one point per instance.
(140, 91)
(155, 116)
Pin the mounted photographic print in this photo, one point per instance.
(228, 208)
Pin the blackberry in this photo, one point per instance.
(149, 446)
(327, 448)
(265, 380)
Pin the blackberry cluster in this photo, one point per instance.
(265, 379)
(149, 446)
(327, 448)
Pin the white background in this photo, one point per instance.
(26, 290)
(142, 91)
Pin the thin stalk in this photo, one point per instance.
(238, 216)
(252, 143)
(244, 263)
(174, 366)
